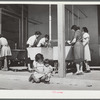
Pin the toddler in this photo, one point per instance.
(38, 70)
(48, 69)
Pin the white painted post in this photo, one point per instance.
(61, 40)
(50, 21)
(22, 25)
(0, 21)
(72, 15)
(78, 17)
(68, 24)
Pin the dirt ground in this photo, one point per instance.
(18, 80)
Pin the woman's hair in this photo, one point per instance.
(47, 36)
(38, 57)
(78, 27)
(38, 33)
(74, 27)
(85, 29)
(1, 35)
(46, 61)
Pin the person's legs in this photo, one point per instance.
(77, 68)
(87, 66)
(48, 77)
(33, 79)
(5, 68)
(0, 64)
(28, 61)
(81, 67)
(29, 64)
(43, 78)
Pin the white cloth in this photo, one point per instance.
(5, 50)
(31, 40)
(87, 55)
(40, 68)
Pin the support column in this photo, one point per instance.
(22, 24)
(0, 21)
(50, 22)
(61, 39)
(72, 15)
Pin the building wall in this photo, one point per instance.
(40, 13)
(91, 22)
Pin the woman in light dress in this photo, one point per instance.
(5, 51)
(87, 55)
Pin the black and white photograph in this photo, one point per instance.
(50, 46)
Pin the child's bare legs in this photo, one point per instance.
(48, 77)
(34, 79)
(43, 78)
(31, 78)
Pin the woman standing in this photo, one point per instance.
(87, 56)
(78, 49)
(31, 42)
(5, 51)
(44, 42)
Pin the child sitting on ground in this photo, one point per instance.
(38, 73)
(48, 69)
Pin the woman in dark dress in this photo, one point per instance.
(78, 49)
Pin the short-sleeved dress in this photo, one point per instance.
(78, 49)
(87, 55)
(48, 70)
(5, 50)
(32, 41)
(43, 43)
(40, 68)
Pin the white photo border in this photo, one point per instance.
(50, 94)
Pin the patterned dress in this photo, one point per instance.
(78, 47)
(40, 68)
(48, 70)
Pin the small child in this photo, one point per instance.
(38, 73)
(48, 69)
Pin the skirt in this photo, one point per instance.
(5, 51)
(38, 75)
(87, 54)
(78, 52)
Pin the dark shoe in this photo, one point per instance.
(47, 82)
(87, 71)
